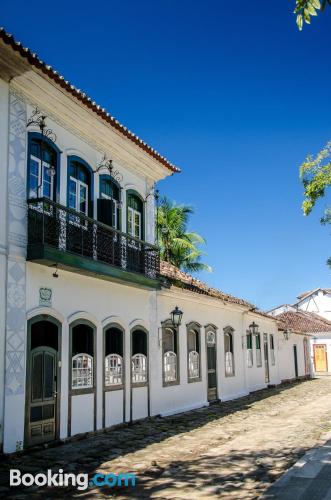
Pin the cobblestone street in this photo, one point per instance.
(229, 450)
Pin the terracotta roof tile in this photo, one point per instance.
(180, 279)
(34, 60)
(303, 322)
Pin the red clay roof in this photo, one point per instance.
(310, 292)
(34, 60)
(303, 322)
(183, 280)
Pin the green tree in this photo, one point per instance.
(179, 246)
(305, 9)
(315, 173)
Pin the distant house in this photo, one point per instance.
(311, 315)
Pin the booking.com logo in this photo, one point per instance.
(64, 479)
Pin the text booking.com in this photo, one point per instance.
(62, 479)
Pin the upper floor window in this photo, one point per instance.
(79, 187)
(258, 350)
(135, 216)
(193, 352)
(109, 201)
(170, 355)
(114, 375)
(139, 356)
(228, 351)
(42, 166)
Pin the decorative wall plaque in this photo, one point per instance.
(45, 297)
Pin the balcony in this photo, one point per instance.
(77, 243)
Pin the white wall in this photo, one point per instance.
(286, 356)
(319, 303)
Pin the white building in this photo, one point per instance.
(89, 341)
(312, 314)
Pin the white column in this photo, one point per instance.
(99, 374)
(65, 366)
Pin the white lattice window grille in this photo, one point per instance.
(249, 358)
(139, 368)
(258, 357)
(272, 357)
(113, 370)
(193, 364)
(82, 371)
(229, 368)
(170, 366)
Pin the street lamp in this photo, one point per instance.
(253, 328)
(176, 317)
(286, 334)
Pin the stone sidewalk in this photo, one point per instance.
(308, 479)
(228, 450)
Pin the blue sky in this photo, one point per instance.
(231, 92)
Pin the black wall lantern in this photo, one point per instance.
(253, 328)
(176, 317)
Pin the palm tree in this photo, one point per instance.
(177, 245)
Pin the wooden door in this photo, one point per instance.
(211, 366)
(295, 354)
(42, 395)
(320, 359)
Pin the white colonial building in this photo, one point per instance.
(88, 339)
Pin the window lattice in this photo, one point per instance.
(82, 371)
(113, 370)
(170, 366)
(229, 368)
(193, 364)
(139, 368)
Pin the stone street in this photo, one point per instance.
(235, 449)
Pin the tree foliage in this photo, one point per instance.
(305, 9)
(179, 246)
(315, 173)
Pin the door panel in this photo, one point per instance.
(295, 361)
(42, 395)
(320, 359)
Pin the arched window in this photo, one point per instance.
(228, 351)
(42, 168)
(114, 372)
(80, 192)
(82, 346)
(170, 355)
(135, 216)
(139, 356)
(109, 202)
(193, 351)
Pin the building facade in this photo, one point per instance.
(85, 311)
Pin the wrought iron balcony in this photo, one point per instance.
(60, 235)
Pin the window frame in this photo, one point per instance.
(89, 390)
(133, 211)
(75, 358)
(272, 349)
(229, 331)
(146, 382)
(249, 350)
(113, 387)
(195, 327)
(258, 351)
(167, 325)
(116, 216)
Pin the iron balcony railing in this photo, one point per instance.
(55, 225)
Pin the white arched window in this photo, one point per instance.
(193, 364)
(228, 350)
(113, 369)
(82, 371)
(170, 366)
(139, 368)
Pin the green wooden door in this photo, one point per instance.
(42, 395)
